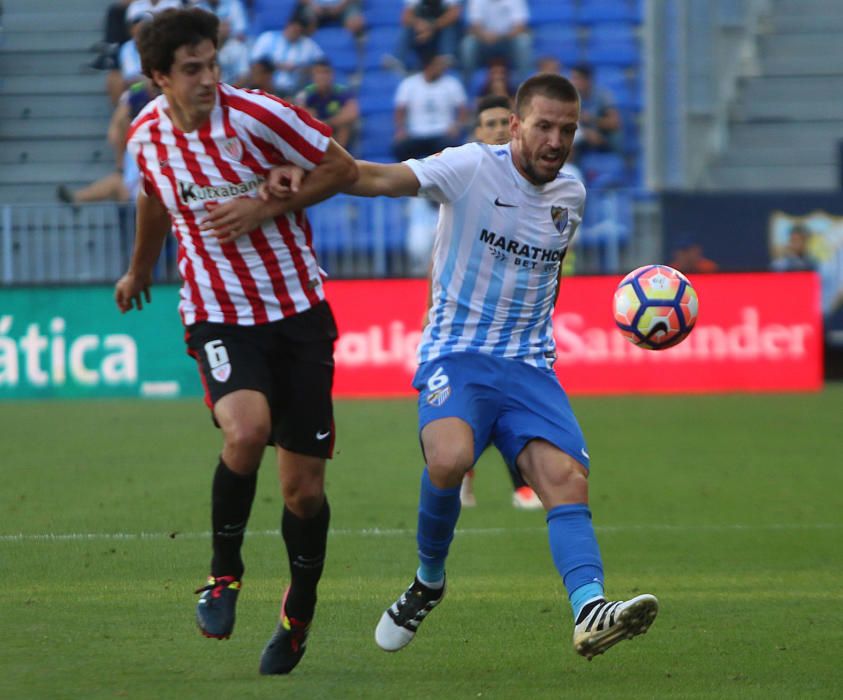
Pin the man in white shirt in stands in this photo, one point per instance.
(497, 29)
(430, 109)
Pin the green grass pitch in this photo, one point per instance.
(729, 508)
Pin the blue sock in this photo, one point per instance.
(439, 510)
(573, 546)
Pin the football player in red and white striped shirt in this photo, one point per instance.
(252, 301)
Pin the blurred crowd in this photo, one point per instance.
(445, 56)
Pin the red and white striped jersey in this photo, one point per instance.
(272, 272)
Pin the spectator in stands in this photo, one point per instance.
(688, 257)
(122, 184)
(332, 103)
(128, 68)
(233, 53)
(492, 120)
(332, 13)
(260, 76)
(150, 7)
(429, 26)
(291, 52)
(116, 33)
(430, 109)
(796, 255)
(548, 64)
(498, 82)
(600, 121)
(497, 28)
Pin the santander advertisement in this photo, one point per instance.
(755, 332)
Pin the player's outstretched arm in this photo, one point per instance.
(290, 191)
(151, 230)
(384, 179)
(336, 171)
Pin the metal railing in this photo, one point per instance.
(353, 237)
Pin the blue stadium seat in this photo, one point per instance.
(551, 11)
(383, 13)
(613, 44)
(594, 11)
(339, 46)
(380, 41)
(603, 169)
(377, 91)
(270, 14)
(621, 84)
(558, 40)
(375, 142)
(607, 224)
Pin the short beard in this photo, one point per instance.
(534, 177)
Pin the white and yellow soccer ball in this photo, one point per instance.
(655, 307)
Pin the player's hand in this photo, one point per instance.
(283, 182)
(129, 290)
(237, 217)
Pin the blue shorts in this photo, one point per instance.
(506, 402)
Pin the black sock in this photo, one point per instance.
(306, 541)
(231, 503)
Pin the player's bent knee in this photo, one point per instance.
(447, 466)
(246, 442)
(305, 500)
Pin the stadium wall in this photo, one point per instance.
(756, 332)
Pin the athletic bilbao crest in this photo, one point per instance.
(218, 360)
(232, 147)
(560, 217)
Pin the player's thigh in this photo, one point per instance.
(537, 408)
(303, 412)
(232, 362)
(458, 386)
(243, 416)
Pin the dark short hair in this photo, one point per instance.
(160, 38)
(550, 85)
(323, 62)
(266, 64)
(583, 69)
(492, 102)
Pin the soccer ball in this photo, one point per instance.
(655, 307)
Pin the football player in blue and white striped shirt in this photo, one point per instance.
(485, 376)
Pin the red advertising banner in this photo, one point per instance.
(755, 332)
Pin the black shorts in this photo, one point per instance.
(290, 361)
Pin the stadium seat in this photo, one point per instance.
(558, 40)
(613, 44)
(608, 214)
(379, 42)
(551, 11)
(269, 14)
(377, 91)
(339, 47)
(621, 84)
(375, 142)
(594, 11)
(603, 169)
(383, 13)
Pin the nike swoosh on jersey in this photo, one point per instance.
(499, 203)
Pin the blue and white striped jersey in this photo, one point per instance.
(497, 254)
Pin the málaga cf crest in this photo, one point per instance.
(560, 217)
